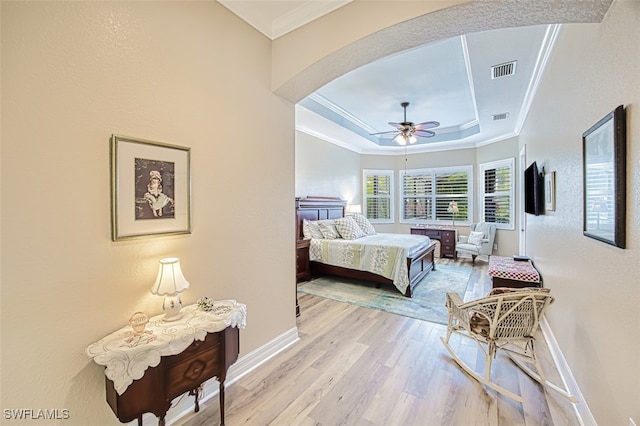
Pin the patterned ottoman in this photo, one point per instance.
(506, 272)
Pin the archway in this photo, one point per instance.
(428, 28)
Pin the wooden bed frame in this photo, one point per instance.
(317, 208)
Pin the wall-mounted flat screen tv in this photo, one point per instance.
(533, 190)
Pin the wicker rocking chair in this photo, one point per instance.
(505, 320)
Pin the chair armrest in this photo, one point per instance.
(463, 239)
(453, 299)
(453, 302)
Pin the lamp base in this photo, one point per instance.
(171, 307)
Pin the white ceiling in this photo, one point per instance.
(449, 81)
(276, 18)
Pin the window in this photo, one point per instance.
(497, 193)
(378, 197)
(426, 194)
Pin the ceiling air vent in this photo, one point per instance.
(502, 116)
(503, 70)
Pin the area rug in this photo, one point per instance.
(427, 303)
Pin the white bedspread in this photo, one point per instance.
(381, 254)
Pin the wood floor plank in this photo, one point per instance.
(357, 366)
(301, 407)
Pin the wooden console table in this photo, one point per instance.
(446, 236)
(145, 372)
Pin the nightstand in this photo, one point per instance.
(145, 372)
(303, 271)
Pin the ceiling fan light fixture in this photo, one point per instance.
(400, 139)
(408, 132)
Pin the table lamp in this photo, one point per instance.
(453, 208)
(354, 208)
(170, 283)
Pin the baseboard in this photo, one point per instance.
(183, 406)
(582, 409)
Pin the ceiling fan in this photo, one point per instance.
(407, 131)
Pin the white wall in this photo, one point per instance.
(186, 73)
(595, 318)
(325, 169)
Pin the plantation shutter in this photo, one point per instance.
(417, 189)
(497, 179)
(378, 206)
(452, 186)
(426, 194)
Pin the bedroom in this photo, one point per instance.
(73, 73)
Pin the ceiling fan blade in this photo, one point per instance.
(383, 133)
(399, 126)
(424, 133)
(426, 125)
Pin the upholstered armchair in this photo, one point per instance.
(479, 241)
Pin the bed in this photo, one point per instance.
(408, 258)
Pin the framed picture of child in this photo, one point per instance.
(150, 188)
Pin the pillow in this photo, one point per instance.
(363, 223)
(479, 324)
(310, 229)
(348, 228)
(328, 229)
(475, 238)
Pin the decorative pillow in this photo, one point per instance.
(310, 229)
(348, 228)
(479, 324)
(328, 229)
(363, 223)
(475, 238)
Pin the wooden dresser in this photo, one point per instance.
(446, 236)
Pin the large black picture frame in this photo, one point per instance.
(604, 148)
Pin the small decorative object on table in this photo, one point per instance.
(453, 208)
(138, 322)
(205, 303)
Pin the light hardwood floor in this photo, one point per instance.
(358, 366)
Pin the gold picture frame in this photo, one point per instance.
(150, 188)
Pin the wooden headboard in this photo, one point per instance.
(317, 208)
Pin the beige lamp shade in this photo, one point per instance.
(354, 208)
(170, 279)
